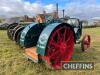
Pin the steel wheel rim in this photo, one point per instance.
(59, 47)
(14, 31)
(17, 34)
(10, 30)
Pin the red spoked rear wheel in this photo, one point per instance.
(60, 46)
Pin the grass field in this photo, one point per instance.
(13, 62)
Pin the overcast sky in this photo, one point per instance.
(83, 9)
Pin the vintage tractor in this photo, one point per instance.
(51, 42)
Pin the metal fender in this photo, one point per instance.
(44, 37)
(24, 32)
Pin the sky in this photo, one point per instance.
(82, 9)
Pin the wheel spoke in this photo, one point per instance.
(68, 32)
(59, 37)
(55, 54)
(52, 42)
(69, 38)
(49, 51)
(55, 45)
(64, 35)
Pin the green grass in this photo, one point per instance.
(13, 62)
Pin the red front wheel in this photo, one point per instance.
(60, 46)
(85, 44)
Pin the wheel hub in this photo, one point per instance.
(63, 45)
